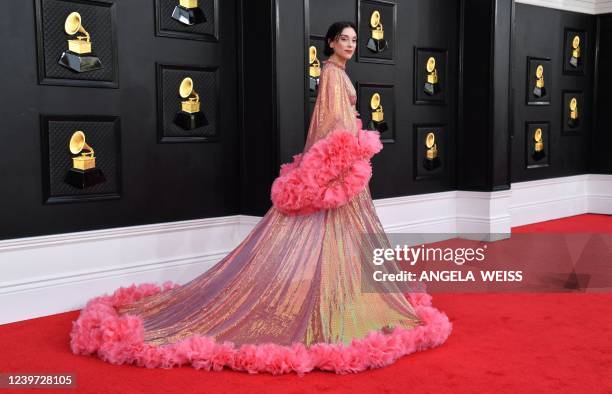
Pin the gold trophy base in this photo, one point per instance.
(79, 46)
(83, 162)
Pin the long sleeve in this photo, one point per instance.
(333, 109)
(335, 164)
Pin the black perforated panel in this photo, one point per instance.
(422, 171)
(205, 84)
(167, 26)
(583, 115)
(102, 134)
(388, 19)
(97, 19)
(421, 55)
(537, 159)
(579, 67)
(532, 65)
(387, 96)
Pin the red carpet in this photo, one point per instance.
(500, 342)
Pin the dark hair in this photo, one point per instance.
(332, 34)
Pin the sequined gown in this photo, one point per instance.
(294, 280)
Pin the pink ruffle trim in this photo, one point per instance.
(119, 340)
(328, 175)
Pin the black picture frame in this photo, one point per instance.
(51, 198)
(363, 29)
(182, 31)
(566, 96)
(311, 97)
(419, 77)
(568, 35)
(389, 136)
(533, 160)
(420, 130)
(213, 117)
(530, 80)
(45, 68)
(319, 43)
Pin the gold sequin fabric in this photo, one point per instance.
(293, 278)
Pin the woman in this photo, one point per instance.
(289, 297)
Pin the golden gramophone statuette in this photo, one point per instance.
(432, 85)
(538, 149)
(574, 118)
(314, 69)
(189, 117)
(83, 172)
(539, 90)
(79, 56)
(188, 13)
(378, 115)
(377, 42)
(576, 58)
(431, 161)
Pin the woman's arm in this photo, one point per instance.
(333, 109)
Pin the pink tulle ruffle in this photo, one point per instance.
(328, 175)
(119, 340)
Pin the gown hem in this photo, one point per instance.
(119, 339)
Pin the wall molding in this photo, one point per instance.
(592, 7)
(603, 6)
(57, 273)
(583, 6)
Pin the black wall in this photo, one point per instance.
(259, 142)
(600, 160)
(420, 24)
(484, 140)
(160, 182)
(539, 32)
(264, 103)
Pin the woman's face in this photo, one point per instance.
(344, 46)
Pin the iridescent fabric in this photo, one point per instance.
(293, 279)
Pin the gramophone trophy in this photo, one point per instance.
(314, 69)
(190, 117)
(188, 13)
(377, 42)
(576, 58)
(378, 116)
(431, 161)
(574, 119)
(538, 152)
(431, 83)
(78, 57)
(83, 172)
(539, 90)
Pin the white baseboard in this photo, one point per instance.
(592, 7)
(57, 273)
(584, 6)
(45, 275)
(603, 7)
(547, 199)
